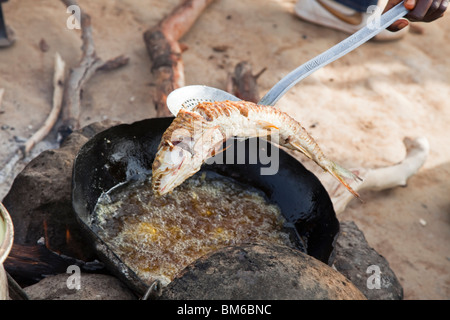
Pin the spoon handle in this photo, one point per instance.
(334, 53)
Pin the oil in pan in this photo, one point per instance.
(158, 236)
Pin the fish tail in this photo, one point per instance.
(340, 173)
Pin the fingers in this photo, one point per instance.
(410, 4)
(420, 10)
(438, 12)
(427, 10)
(398, 25)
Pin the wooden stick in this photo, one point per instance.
(182, 18)
(28, 264)
(79, 75)
(58, 88)
(389, 177)
(243, 84)
(165, 51)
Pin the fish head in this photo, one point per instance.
(173, 164)
(184, 147)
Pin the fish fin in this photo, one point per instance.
(214, 153)
(267, 125)
(339, 172)
(301, 149)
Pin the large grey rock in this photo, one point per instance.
(260, 272)
(92, 287)
(362, 265)
(39, 200)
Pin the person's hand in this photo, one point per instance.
(420, 10)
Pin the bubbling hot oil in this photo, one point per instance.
(158, 236)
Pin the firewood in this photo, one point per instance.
(58, 85)
(165, 51)
(30, 263)
(90, 63)
(27, 264)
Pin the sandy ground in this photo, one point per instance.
(359, 108)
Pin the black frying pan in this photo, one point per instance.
(126, 152)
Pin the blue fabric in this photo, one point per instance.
(360, 6)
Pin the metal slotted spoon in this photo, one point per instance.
(189, 96)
